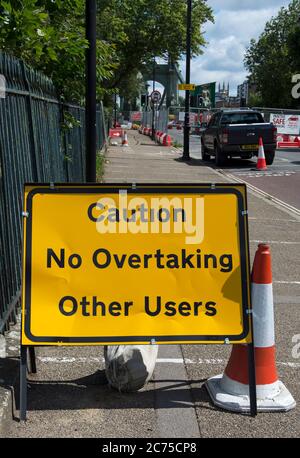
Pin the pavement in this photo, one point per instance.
(69, 397)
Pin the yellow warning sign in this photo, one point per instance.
(186, 87)
(108, 264)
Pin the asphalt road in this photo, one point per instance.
(281, 180)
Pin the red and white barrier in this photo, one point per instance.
(166, 140)
(288, 141)
(114, 135)
(231, 390)
(115, 132)
(160, 137)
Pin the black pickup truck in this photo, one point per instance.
(236, 133)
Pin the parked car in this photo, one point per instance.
(236, 133)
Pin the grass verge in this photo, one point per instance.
(100, 166)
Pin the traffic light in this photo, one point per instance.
(200, 101)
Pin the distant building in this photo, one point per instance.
(222, 96)
(243, 93)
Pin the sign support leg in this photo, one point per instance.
(32, 360)
(23, 383)
(252, 380)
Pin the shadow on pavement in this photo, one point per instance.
(231, 164)
(191, 162)
(92, 392)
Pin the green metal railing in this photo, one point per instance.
(41, 140)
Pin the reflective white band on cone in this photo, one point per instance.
(236, 388)
(263, 315)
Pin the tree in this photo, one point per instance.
(50, 36)
(274, 58)
(142, 29)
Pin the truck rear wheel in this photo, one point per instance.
(270, 155)
(220, 158)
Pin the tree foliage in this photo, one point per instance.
(49, 35)
(275, 57)
(143, 29)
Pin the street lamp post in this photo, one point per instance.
(153, 103)
(90, 110)
(186, 143)
(115, 110)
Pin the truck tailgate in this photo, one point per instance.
(248, 134)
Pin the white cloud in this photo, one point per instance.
(236, 23)
(236, 5)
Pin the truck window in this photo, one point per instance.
(241, 118)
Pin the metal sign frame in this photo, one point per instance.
(211, 189)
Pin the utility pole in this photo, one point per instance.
(186, 143)
(115, 110)
(153, 104)
(90, 108)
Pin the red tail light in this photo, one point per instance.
(224, 136)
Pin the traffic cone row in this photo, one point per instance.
(231, 389)
(163, 139)
(160, 137)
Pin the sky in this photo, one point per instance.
(236, 22)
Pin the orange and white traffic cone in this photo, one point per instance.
(125, 139)
(261, 162)
(230, 391)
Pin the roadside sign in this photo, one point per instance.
(186, 87)
(136, 116)
(193, 117)
(286, 124)
(113, 264)
(156, 96)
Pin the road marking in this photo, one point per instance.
(252, 218)
(65, 359)
(287, 282)
(269, 197)
(273, 173)
(201, 361)
(282, 159)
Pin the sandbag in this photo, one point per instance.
(129, 367)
